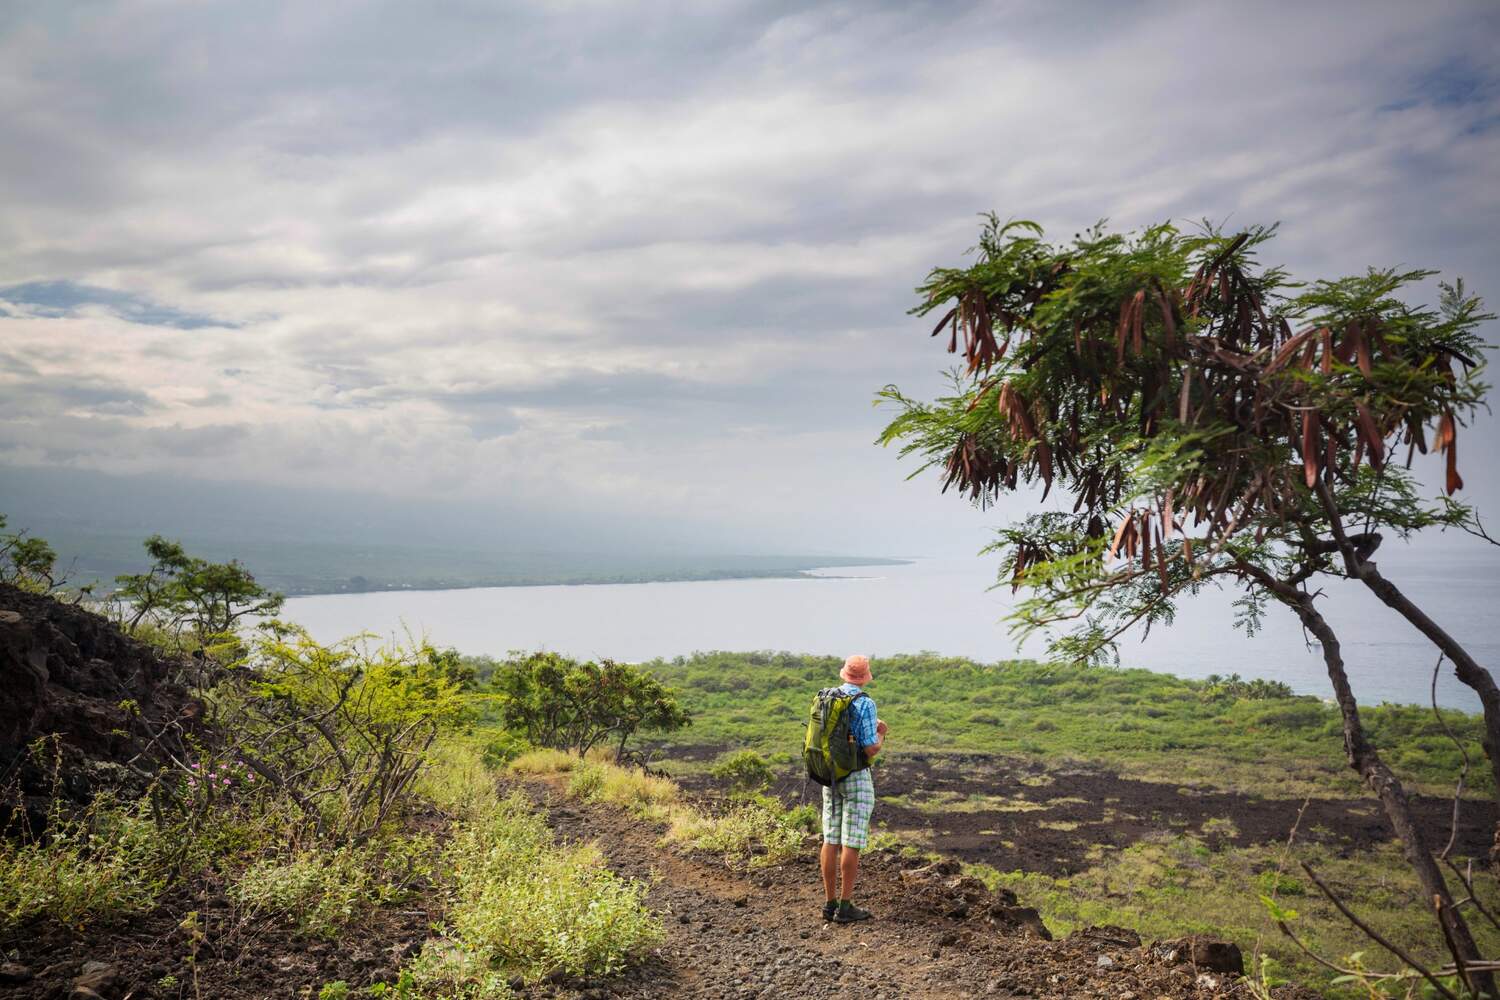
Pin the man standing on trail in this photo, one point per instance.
(847, 804)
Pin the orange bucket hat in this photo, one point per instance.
(856, 670)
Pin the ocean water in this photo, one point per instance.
(944, 606)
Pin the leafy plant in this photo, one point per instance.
(525, 905)
(744, 772)
(755, 833)
(26, 561)
(321, 890)
(562, 703)
(105, 861)
(180, 590)
(342, 731)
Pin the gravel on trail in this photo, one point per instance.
(937, 933)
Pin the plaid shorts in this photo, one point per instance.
(847, 808)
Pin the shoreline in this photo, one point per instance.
(809, 572)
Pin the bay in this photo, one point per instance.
(944, 606)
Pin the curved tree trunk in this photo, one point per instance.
(1468, 670)
(1365, 759)
(1465, 667)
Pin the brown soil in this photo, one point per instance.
(1057, 814)
(935, 936)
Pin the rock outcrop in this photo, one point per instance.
(98, 700)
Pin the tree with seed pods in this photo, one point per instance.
(1212, 424)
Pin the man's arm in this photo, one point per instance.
(879, 744)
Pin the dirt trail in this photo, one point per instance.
(936, 935)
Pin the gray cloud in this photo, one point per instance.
(652, 258)
(42, 396)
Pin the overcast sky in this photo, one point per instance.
(652, 262)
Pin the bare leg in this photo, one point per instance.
(849, 868)
(828, 858)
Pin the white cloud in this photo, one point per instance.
(645, 260)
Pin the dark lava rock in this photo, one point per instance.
(13, 974)
(1109, 935)
(96, 979)
(70, 673)
(1203, 953)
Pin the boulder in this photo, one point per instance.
(1202, 952)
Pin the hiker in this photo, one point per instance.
(849, 801)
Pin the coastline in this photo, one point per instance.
(809, 571)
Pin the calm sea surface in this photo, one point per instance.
(940, 605)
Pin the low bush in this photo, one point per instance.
(644, 794)
(446, 971)
(457, 779)
(527, 906)
(540, 762)
(320, 890)
(106, 862)
(743, 772)
(504, 747)
(755, 833)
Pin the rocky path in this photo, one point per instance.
(937, 934)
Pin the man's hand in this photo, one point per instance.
(880, 728)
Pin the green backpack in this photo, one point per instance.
(830, 754)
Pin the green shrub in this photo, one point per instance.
(1273, 883)
(543, 762)
(107, 862)
(743, 772)
(321, 890)
(446, 971)
(757, 833)
(504, 748)
(529, 907)
(457, 779)
(807, 817)
(558, 702)
(586, 780)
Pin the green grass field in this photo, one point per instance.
(1138, 723)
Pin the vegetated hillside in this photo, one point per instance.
(275, 817)
(285, 819)
(226, 875)
(1253, 737)
(1124, 797)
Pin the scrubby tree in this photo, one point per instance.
(26, 561)
(180, 590)
(559, 702)
(1210, 424)
(343, 731)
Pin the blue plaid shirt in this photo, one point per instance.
(862, 719)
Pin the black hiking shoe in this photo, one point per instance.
(829, 909)
(848, 913)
